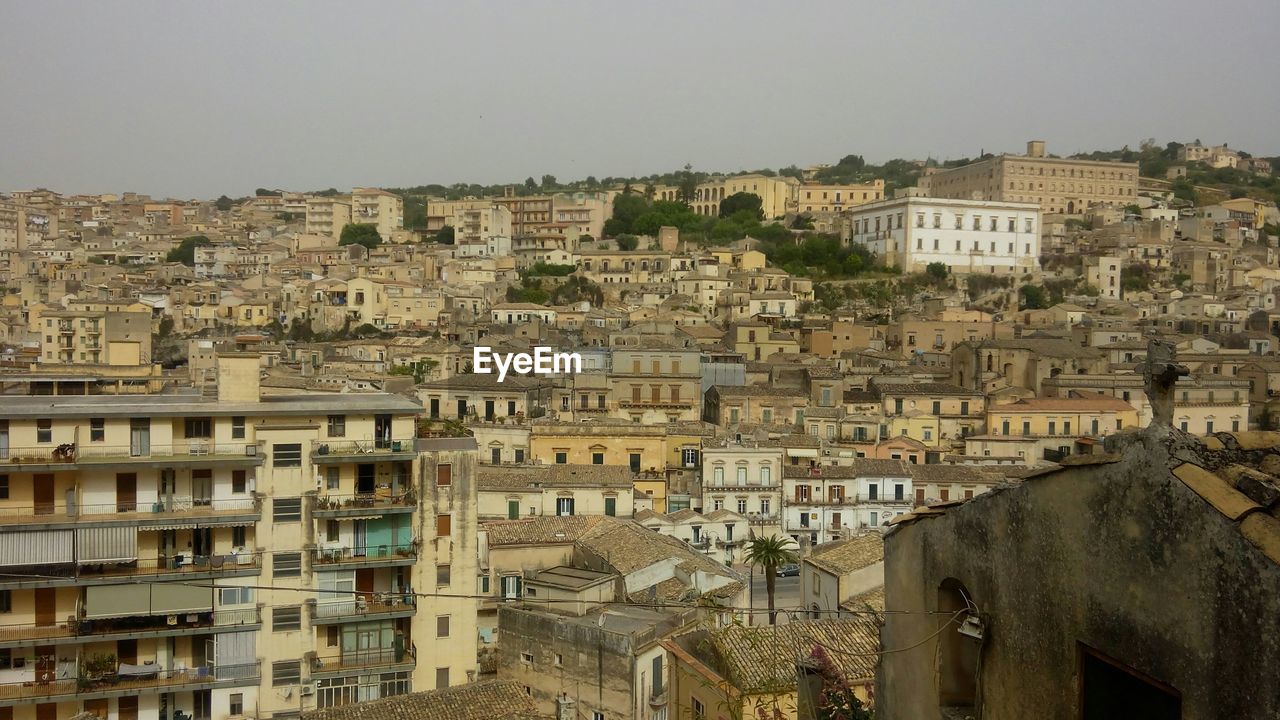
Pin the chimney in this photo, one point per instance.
(238, 378)
(566, 708)
(1035, 148)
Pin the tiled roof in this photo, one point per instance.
(487, 700)
(547, 529)
(869, 600)
(757, 391)
(845, 556)
(762, 658)
(523, 478)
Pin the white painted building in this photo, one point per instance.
(834, 502)
(745, 480)
(968, 236)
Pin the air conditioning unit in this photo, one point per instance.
(307, 689)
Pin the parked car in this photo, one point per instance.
(789, 570)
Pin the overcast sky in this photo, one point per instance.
(196, 99)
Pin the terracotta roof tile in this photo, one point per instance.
(488, 700)
(1215, 490)
(846, 556)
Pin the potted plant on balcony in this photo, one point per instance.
(97, 670)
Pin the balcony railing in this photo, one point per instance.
(127, 679)
(356, 448)
(327, 504)
(372, 658)
(381, 603)
(854, 499)
(178, 565)
(183, 507)
(133, 625)
(369, 554)
(73, 453)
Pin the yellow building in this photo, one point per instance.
(1059, 185)
(757, 341)
(816, 198)
(230, 556)
(94, 337)
(1048, 429)
(327, 216)
(371, 206)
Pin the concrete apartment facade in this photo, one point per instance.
(230, 556)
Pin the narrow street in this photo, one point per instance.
(786, 597)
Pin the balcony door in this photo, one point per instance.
(126, 492)
(359, 538)
(139, 437)
(46, 607)
(382, 431)
(4, 439)
(365, 479)
(42, 491)
(202, 487)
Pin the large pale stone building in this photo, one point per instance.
(968, 236)
(1058, 185)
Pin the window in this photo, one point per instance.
(6, 601)
(765, 473)
(238, 536)
(597, 715)
(333, 636)
(444, 474)
(442, 626)
(286, 564)
(873, 492)
(286, 509)
(332, 479)
(443, 575)
(236, 704)
(237, 481)
(512, 586)
(634, 462)
(764, 507)
(564, 506)
(444, 525)
(562, 457)
(199, 427)
(235, 596)
(4, 487)
(597, 458)
(97, 429)
(337, 426)
(526, 657)
(44, 430)
(442, 678)
(331, 531)
(286, 618)
(287, 455)
(700, 710)
(237, 427)
(286, 672)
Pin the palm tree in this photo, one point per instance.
(770, 553)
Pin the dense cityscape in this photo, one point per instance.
(982, 437)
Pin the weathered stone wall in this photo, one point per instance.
(1121, 556)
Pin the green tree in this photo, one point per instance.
(530, 185)
(1184, 190)
(445, 235)
(937, 271)
(185, 253)
(688, 184)
(548, 182)
(626, 209)
(223, 203)
(1033, 297)
(360, 234)
(769, 554)
(627, 242)
(742, 201)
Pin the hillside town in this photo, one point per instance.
(926, 439)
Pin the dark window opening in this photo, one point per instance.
(1109, 689)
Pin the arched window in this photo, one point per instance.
(957, 653)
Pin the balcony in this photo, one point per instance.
(372, 556)
(375, 659)
(127, 680)
(178, 567)
(382, 606)
(186, 511)
(127, 628)
(363, 504)
(341, 451)
(70, 456)
(658, 697)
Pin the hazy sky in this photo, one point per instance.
(196, 99)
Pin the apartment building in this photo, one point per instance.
(1103, 273)
(745, 479)
(328, 215)
(656, 383)
(562, 490)
(233, 556)
(528, 214)
(959, 411)
(95, 337)
(1035, 430)
(818, 198)
(968, 236)
(834, 502)
(384, 210)
(1057, 185)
